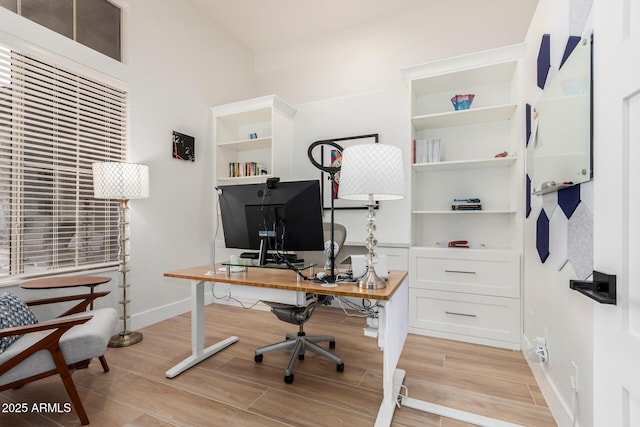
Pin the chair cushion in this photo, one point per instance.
(79, 343)
(13, 313)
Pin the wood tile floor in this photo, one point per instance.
(230, 389)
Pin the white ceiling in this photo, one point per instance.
(265, 24)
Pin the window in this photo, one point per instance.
(53, 125)
(94, 23)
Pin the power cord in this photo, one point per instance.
(228, 297)
(368, 310)
(401, 396)
(215, 233)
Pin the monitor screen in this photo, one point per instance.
(278, 217)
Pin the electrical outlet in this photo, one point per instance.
(574, 378)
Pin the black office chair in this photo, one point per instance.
(299, 315)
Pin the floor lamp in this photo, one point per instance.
(122, 181)
(371, 172)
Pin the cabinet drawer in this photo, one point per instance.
(466, 270)
(464, 315)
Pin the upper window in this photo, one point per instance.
(53, 125)
(94, 23)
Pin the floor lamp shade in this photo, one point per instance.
(114, 180)
(122, 181)
(371, 172)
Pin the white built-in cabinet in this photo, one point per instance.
(259, 131)
(468, 294)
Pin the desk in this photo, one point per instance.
(392, 321)
(59, 282)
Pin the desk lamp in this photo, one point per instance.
(371, 172)
(122, 181)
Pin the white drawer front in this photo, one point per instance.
(469, 271)
(465, 315)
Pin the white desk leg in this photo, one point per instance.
(393, 328)
(198, 352)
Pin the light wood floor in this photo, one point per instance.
(230, 389)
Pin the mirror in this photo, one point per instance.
(562, 153)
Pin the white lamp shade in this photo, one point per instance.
(371, 169)
(115, 180)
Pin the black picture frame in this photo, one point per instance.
(183, 147)
(328, 158)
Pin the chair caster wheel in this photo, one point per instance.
(288, 379)
(340, 367)
(258, 358)
(301, 357)
(332, 344)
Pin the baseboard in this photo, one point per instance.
(240, 296)
(464, 338)
(167, 311)
(559, 409)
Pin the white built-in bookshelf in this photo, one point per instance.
(469, 294)
(253, 140)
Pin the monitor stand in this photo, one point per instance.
(264, 245)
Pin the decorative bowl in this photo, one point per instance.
(462, 102)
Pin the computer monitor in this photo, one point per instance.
(273, 217)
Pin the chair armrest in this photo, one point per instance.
(53, 324)
(85, 301)
(50, 341)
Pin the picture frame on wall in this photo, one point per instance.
(332, 156)
(183, 147)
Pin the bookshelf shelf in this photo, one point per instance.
(463, 212)
(247, 144)
(464, 117)
(464, 164)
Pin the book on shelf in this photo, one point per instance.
(467, 204)
(426, 150)
(238, 169)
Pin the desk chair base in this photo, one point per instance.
(300, 343)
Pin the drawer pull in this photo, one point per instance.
(460, 271)
(460, 314)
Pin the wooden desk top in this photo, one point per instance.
(64, 282)
(287, 280)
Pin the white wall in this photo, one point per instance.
(177, 65)
(551, 309)
(384, 112)
(369, 57)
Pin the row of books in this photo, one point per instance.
(426, 150)
(468, 204)
(237, 169)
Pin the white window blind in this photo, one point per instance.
(53, 125)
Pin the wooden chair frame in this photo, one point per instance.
(51, 343)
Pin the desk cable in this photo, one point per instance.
(215, 233)
(228, 297)
(366, 309)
